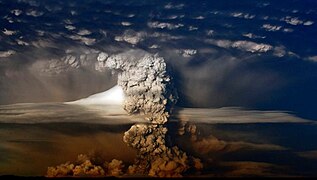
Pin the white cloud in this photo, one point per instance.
(248, 46)
(40, 32)
(269, 27)
(130, 15)
(263, 4)
(172, 17)
(188, 52)
(31, 113)
(8, 32)
(125, 23)
(71, 60)
(192, 28)
(70, 27)
(154, 46)
(163, 25)
(220, 43)
(288, 30)
(296, 21)
(295, 11)
(73, 13)
(199, 17)
(292, 20)
(131, 37)
(102, 57)
(251, 46)
(68, 21)
(85, 40)
(265, 17)
(242, 15)
(22, 43)
(34, 13)
(164, 36)
(9, 19)
(210, 32)
(171, 6)
(4, 54)
(279, 51)
(16, 12)
(308, 23)
(84, 32)
(253, 36)
(113, 96)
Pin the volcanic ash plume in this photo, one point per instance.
(155, 157)
(147, 87)
(148, 90)
(86, 166)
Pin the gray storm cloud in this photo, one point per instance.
(147, 87)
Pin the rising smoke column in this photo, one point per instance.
(148, 91)
(154, 156)
(147, 86)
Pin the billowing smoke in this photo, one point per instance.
(87, 166)
(148, 91)
(147, 87)
(155, 157)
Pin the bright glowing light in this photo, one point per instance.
(113, 96)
